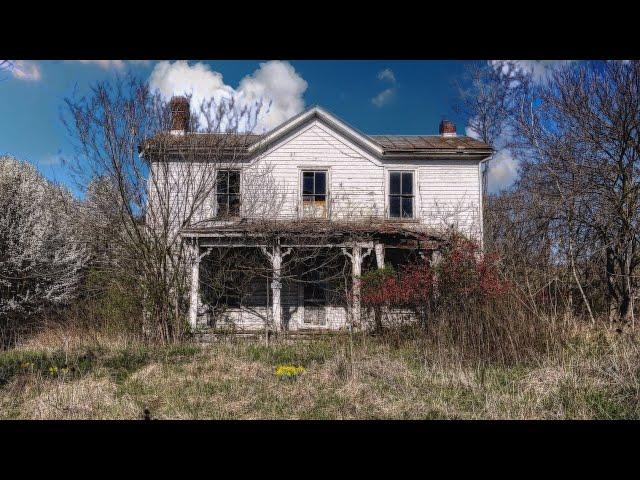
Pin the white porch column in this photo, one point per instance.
(194, 293)
(276, 257)
(379, 312)
(380, 254)
(356, 271)
(356, 257)
(194, 297)
(436, 258)
(276, 287)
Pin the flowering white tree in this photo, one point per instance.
(40, 255)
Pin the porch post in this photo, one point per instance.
(379, 312)
(380, 254)
(276, 255)
(356, 257)
(276, 287)
(194, 298)
(356, 271)
(436, 258)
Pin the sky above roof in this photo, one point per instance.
(375, 97)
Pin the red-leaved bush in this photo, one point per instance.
(462, 278)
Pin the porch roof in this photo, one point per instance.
(317, 230)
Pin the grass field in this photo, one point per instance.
(73, 375)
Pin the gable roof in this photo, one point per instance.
(382, 146)
(324, 116)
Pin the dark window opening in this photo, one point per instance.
(315, 299)
(314, 194)
(228, 193)
(231, 299)
(401, 197)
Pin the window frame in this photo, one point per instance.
(217, 214)
(414, 195)
(315, 169)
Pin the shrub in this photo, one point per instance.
(462, 305)
(463, 275)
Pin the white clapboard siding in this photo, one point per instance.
(355, 183)
(253, 316)
(447, 190)
(447, 193)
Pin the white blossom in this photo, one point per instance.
(41, 256)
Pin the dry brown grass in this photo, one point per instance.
(595, 375)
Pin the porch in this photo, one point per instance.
(295, 277)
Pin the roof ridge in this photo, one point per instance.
(413, 135)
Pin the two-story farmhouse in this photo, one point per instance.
(313, 204)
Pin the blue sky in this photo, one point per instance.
(376, 97)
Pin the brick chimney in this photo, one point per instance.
(180, 115)
(447, 128)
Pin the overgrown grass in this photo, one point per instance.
(595, 375)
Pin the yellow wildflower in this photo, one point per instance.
(288, 371)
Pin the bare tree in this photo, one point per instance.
(578, 135)
(159, 177)
(483, 97)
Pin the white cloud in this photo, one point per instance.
(387, 74)
(105, 64)
(26, 70)
(113, 64)
(538, 69)
(503, 167)
(503, 171)
(276, 83)
(470, 132)
(384, 97)
(279, 83)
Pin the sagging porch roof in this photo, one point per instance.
(314, 231)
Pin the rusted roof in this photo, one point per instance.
(391, 144)
(418, 143)
(168, 141)
(387, 146)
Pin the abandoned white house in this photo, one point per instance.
(301, 211)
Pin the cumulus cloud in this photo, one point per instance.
(387, 74)
(503, 167)
(276, 84)
(503, 171)
(538, 69)
(384, 97)
(25, 70)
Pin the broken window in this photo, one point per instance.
(401, 198)
(314, 194)
(228, 193)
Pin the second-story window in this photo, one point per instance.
(228, 193)
(401, 197)
(314, 194)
